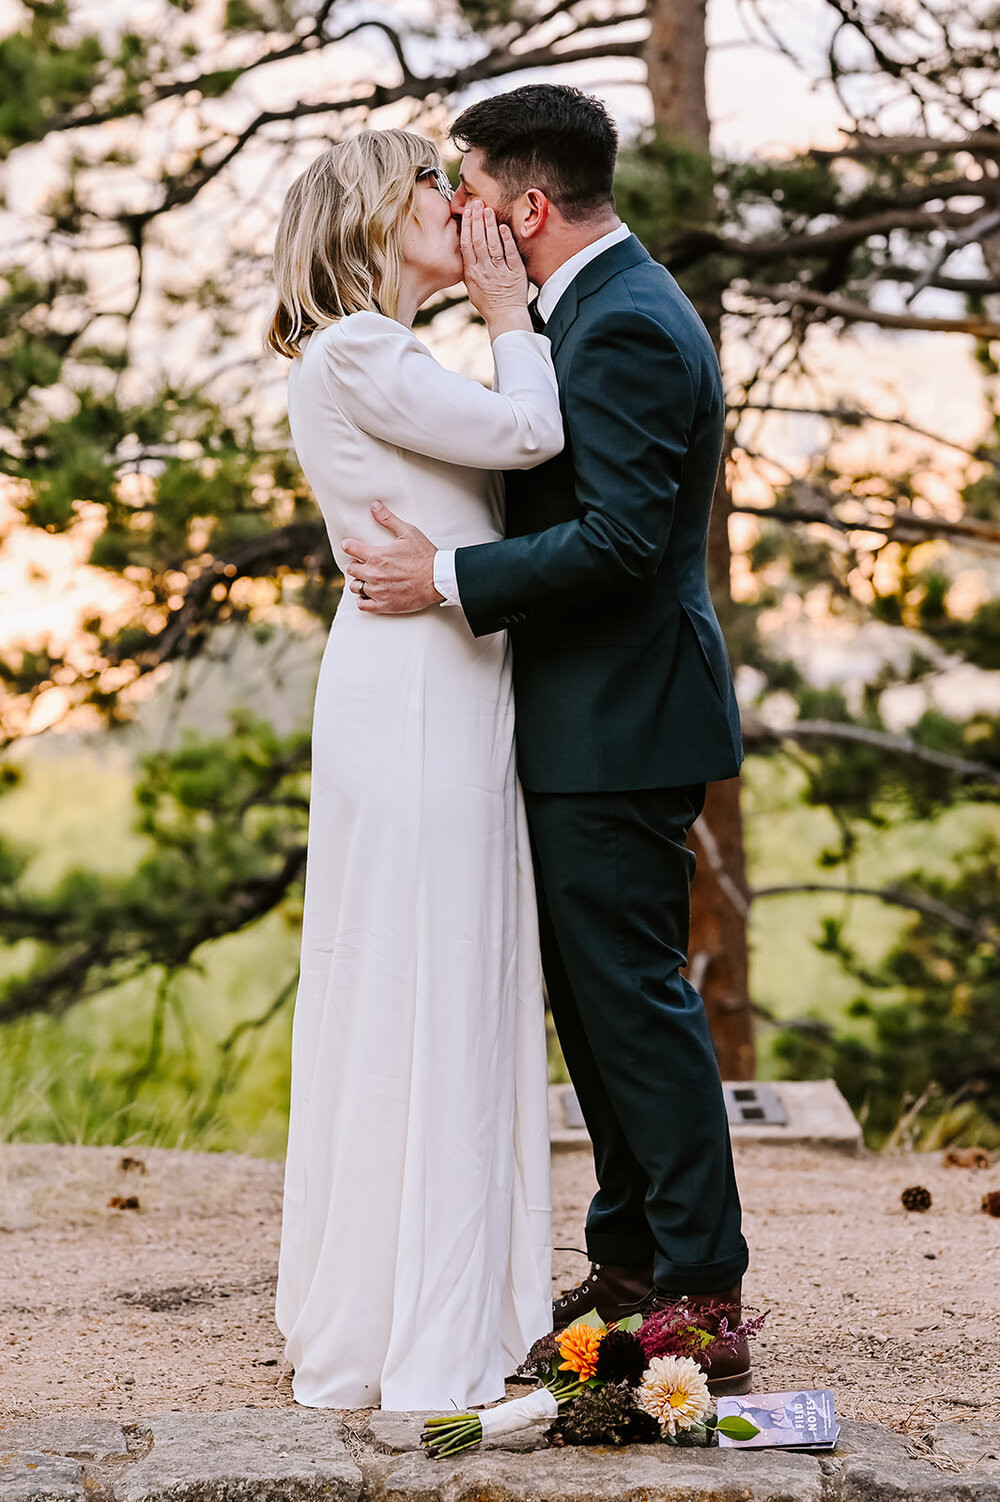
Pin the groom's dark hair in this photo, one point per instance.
(548, 136)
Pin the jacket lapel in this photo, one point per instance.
(601, 269)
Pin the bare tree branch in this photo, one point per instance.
(86, 967)
(894, 745)
(185, 186)
(692, 247)
(968, 286)
(859, 312)
(945, 188)
(905, 527)
(982, 230)
(310, 41)
(289, 546)
(860, 147)
(982, 931)
(854, 417)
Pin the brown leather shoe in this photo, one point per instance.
(615, 1292)
(728, 1369)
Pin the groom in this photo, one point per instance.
(624, 696)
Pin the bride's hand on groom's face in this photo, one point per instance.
(493, 269)
(395, 577)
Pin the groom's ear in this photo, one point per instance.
(531, 214)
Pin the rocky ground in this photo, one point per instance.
(128, 1313)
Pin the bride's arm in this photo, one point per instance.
(389, 384)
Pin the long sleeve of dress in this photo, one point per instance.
(391, 386)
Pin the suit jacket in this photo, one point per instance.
(621, 676)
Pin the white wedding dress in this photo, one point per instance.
(415, 1248)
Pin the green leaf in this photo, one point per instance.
(736, 1428)
(212, 85)
(591, 1318)
(630, 1325)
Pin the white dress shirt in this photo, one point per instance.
(551, 290)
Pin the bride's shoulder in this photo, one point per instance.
(367, 327)
(363, 343)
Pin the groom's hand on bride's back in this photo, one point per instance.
(395, 577)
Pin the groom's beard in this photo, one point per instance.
(503, 213)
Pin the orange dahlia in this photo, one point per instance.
(578, 1347)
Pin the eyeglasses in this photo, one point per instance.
(437, 176)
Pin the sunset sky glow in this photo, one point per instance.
(760, 103)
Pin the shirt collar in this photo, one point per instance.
(553, 288)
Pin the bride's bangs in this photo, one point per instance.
(337, 248)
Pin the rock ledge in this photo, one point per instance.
(303, 1455)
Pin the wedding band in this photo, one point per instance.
(361, 592)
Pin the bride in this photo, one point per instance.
(414, 1269)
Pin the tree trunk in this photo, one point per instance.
(676, 55)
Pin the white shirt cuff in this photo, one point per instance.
(445, 577)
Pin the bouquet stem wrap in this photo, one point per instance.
(453, 1432)
(520, 1413)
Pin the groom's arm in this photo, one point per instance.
(630, 404)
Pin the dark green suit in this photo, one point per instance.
(625, 709)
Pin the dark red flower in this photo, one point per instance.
(621, 1358)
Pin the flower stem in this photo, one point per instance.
(564, 1391)
(450, 1433)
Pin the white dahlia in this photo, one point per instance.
(674, 1390)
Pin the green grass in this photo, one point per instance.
(146, 1063)
(97, 1074)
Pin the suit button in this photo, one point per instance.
(504, 620)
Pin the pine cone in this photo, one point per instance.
(966, 1157)
(991, 1202)
(604, 1416)
(916, 1198)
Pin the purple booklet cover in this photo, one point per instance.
(786, 1420)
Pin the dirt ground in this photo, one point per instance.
(133, 1312)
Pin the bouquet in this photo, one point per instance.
(636, 1382)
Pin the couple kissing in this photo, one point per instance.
(535, 552)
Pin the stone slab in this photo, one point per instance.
(974, 1446)
(295, 1455)
(818, 1116)
(643, 1473)
(873, 1441)
(81, 1434)
(299, 1455)
(564, 1135)
(400, 1433)
(32, 1476)
(864, 1480)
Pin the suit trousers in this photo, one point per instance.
(613, 874)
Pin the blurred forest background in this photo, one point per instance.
(829, 198)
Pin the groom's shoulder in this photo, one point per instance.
(647, 292)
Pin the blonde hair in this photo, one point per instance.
(337, 249)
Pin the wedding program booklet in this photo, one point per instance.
(789, 1420)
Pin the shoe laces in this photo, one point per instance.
(579, 1290)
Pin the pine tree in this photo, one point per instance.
(139, 419)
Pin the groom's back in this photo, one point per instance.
(630, 687)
